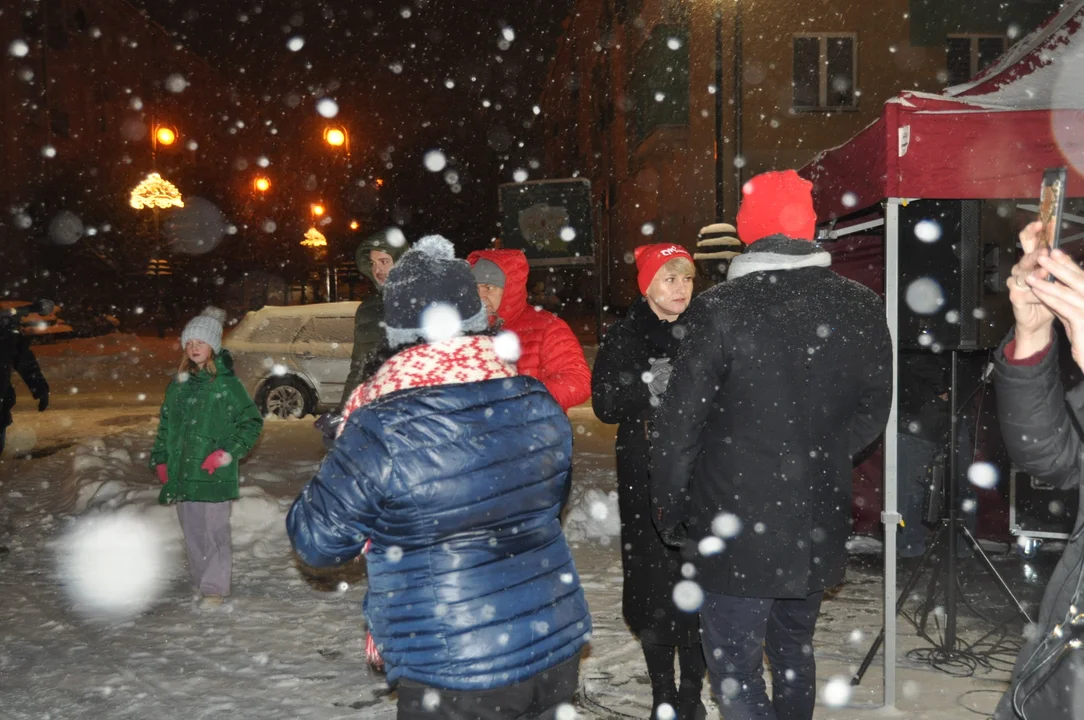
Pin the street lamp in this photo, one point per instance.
(157, 193)
(335, 136)
(261, 184)
(164, 136)
(354, 225)
(317, 210)
(739, 161)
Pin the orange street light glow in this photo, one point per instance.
(165, 136)
(335, 137)
(317, 210)
(262, 184)
(353, 224)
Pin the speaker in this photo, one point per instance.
(1038, 509)
(955, 257)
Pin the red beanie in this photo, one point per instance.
(777, 203)
(649, 258)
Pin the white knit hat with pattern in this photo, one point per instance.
(207, 326)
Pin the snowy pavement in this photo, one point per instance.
(289, 643)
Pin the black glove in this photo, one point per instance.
(43, 401)
(675, 537)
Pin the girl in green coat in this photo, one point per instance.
(207, 424)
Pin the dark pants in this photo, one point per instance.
(685, 697)
(738, 631)
(537, 697)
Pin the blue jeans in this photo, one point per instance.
(738, 631)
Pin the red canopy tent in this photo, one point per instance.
(989, 139)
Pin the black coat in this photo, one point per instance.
(785, 373)
(1036, 417)
(619, 395)
(15, 354)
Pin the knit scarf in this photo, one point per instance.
(448, 362)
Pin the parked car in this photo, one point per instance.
(294, 360)
(35, 325)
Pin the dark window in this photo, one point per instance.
(967, 56)
(958, 60)
(79, 20)
(807, 54)
(824, 72)
(659, 82)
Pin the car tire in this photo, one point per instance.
(285, 397)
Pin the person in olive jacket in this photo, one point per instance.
(207, 424)
(375, 257)
(632, 369)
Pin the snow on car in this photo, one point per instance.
(294, 360)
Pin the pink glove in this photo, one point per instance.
(214, 461)
(163, 474)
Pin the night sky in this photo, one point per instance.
(387, 64)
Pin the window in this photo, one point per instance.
(968, 55)
(659, 83)
(824, 71)
(327, 330)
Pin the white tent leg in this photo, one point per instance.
(890, 515)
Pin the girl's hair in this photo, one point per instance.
(187, 366)
(681, 266)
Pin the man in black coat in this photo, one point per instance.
(15, 354)
(784, 375)
(1040, 424)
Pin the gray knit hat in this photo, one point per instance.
(430, 295)
(207, 326)
(487, 272)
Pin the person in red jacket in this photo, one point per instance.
(549, 350)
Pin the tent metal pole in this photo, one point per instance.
(890, 514)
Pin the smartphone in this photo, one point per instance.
(1051, 204)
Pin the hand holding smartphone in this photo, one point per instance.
(1051, 205)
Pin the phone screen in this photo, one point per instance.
(1051, 201)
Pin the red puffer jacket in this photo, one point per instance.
(549, 350)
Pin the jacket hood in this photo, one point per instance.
(379, 241)
(513, 263)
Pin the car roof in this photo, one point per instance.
(314, 310)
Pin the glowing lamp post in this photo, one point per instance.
(156, 193)
(261, 184)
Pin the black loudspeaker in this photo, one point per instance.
(1037, 509)
(955, 257)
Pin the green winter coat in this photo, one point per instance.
(202, 414)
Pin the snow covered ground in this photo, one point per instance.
(289, 643)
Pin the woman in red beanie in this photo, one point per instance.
(631, 371)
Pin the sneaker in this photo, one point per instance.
(211, 601)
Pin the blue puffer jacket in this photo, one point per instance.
(471, 582)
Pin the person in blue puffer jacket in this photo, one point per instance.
(455, 469)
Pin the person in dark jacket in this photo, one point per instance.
(16, 355)
(452, 468)
(207, 424)
(375, 257)
(1040, 424)
(631, 371)
(784, 375)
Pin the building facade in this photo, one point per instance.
(667, 106)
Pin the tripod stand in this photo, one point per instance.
(944, 535)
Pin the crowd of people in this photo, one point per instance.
(739, 414)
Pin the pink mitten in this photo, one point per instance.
(163, 474)
(215, 460)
